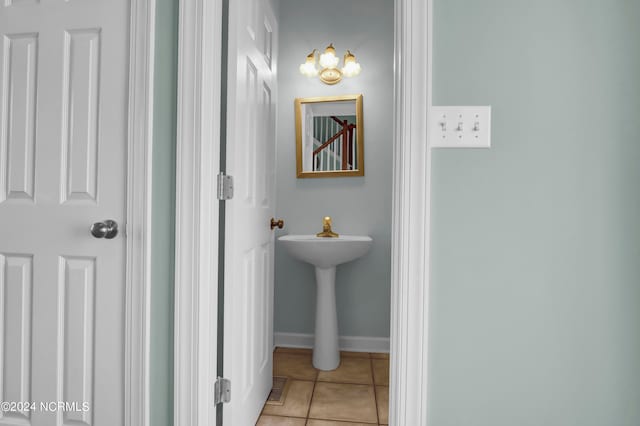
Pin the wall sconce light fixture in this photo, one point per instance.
(329, 72)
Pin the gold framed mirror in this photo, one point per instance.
(329, 136)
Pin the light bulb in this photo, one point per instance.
(329, 59)
(351, 67)
(309, 67)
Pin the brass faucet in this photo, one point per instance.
(326, 229)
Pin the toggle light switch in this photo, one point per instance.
(470, 127)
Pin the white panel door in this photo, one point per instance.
(63, 134)
(249, 241)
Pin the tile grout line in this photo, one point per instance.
(284, 416)
(375, 389)
(313, 391)
(332, 381)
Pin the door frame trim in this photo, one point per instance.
(199, 87)
(138, 225)
(411, 216)
(197, 212)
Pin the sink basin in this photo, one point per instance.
(325, 254)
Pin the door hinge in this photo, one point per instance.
(225, 186)
(222, 391)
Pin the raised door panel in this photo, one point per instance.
(248, 311)
(16, 284)
(263, 308)
(266, 153)
(80, 115)
(256, 316)
(267, 41)
(76, 324)
(18, 116)
(248, 148)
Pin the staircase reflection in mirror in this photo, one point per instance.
(329, 136)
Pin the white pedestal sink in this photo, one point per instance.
(325, 254)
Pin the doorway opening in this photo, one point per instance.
(197, 217)
(358, 204)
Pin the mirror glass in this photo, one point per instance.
(329, 136)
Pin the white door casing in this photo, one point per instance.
(411, 210)
(197, 212)
(74, 121)
(411, 215)
(249, 240)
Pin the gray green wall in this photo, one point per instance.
(358, 205)
(535, 316)
(162, 254)
(536, 242)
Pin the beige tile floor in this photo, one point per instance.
(355, 394)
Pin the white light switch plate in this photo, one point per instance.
(460, 127)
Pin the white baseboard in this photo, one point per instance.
(346, 343)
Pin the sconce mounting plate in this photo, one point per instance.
(330, 75)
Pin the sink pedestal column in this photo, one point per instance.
(326, 355)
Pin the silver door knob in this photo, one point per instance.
(107, 229)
